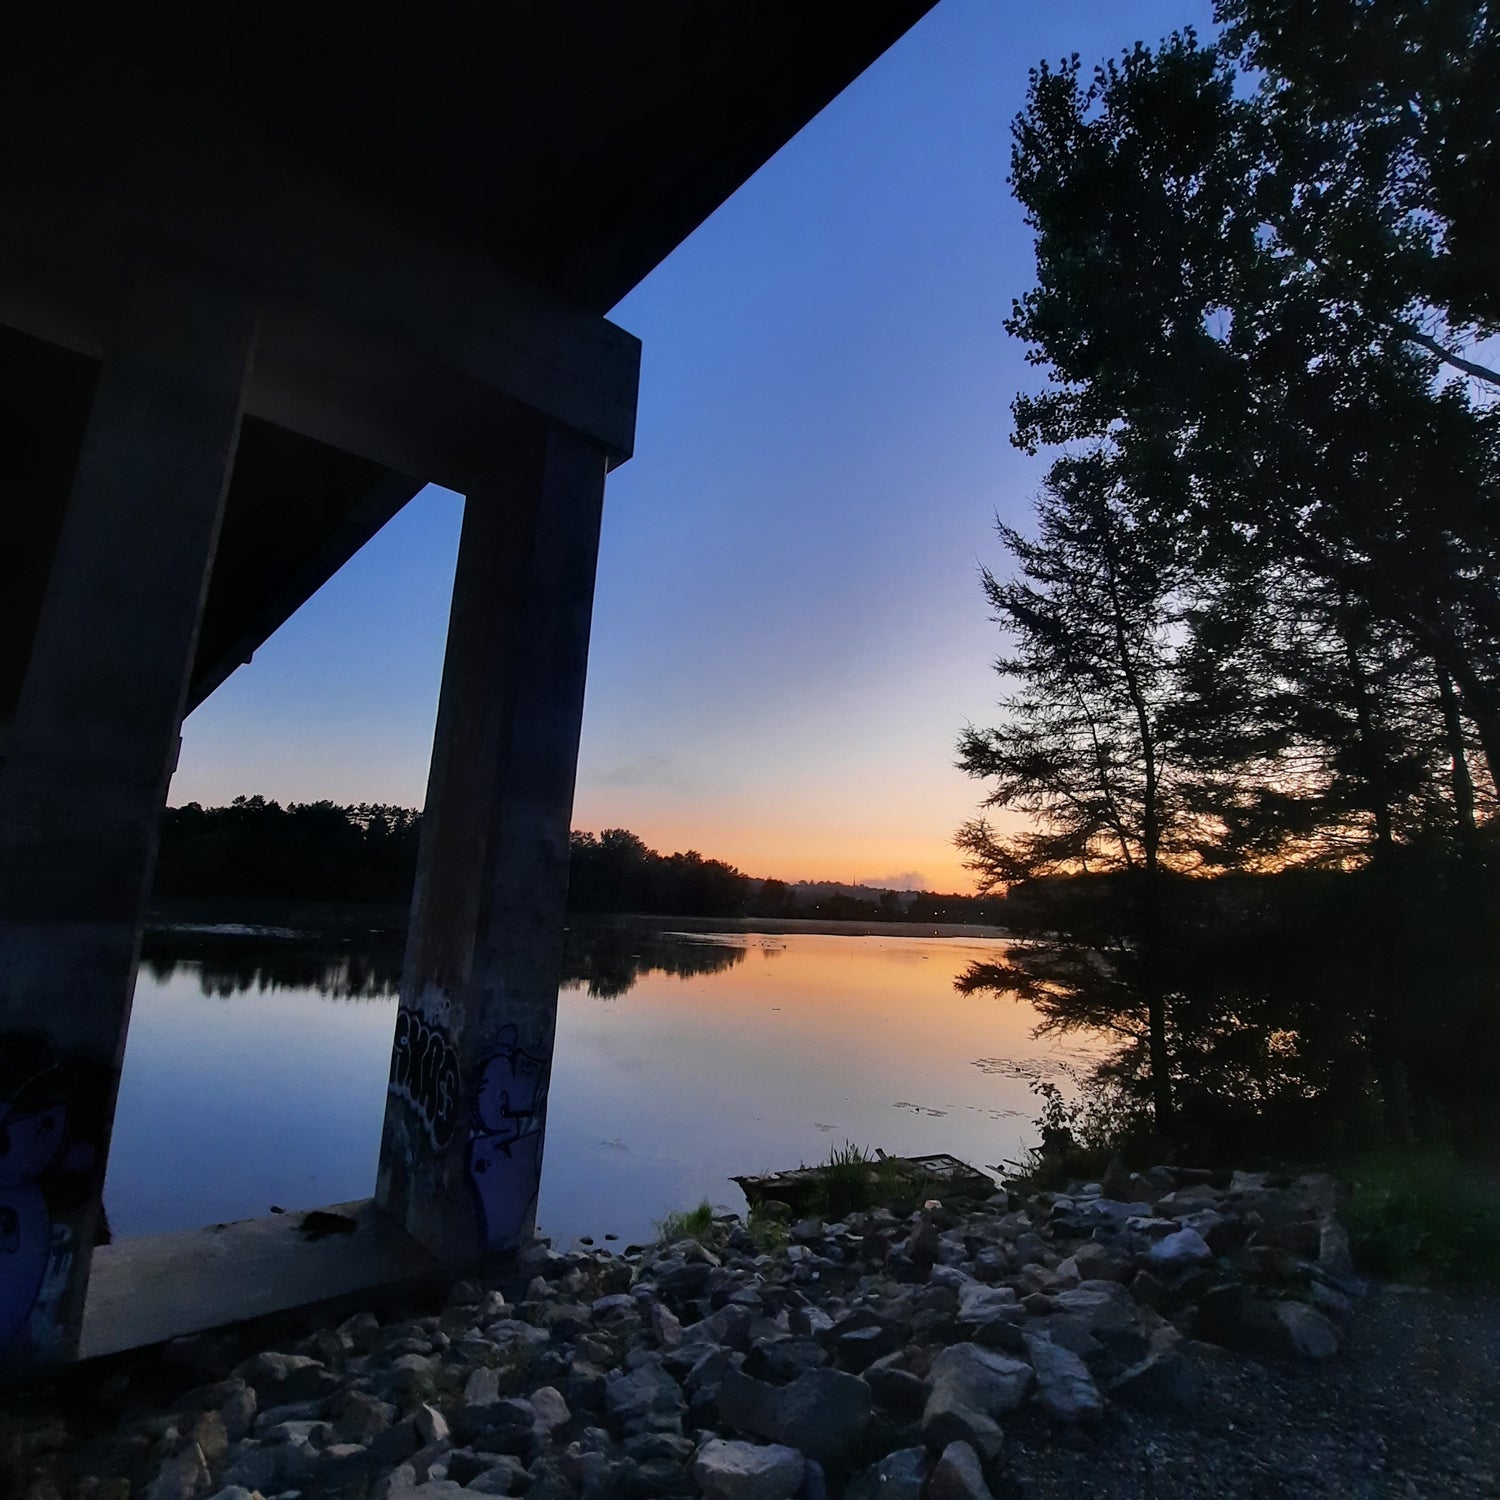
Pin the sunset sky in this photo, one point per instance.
(789, 632)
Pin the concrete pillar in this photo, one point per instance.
(88, 758)
(461, 1154)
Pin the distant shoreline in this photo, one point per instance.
(349, 920)
(790, 926)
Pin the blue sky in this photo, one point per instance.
(788, 632)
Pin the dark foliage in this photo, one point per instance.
(1256, 636)
(256, 850)
(1307, 1008)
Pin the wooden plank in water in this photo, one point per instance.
(939, 1171)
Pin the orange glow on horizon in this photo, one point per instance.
(791, 853)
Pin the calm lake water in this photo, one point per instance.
(257, 1076)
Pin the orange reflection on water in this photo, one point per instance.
(660, 1096)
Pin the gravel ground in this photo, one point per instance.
(647, 1350)
(1409, 1409)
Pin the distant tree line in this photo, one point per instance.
(258, 849)
(1254, 633)
(305, 851)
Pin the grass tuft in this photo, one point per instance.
(686, 1224)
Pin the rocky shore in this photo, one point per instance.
(931, 1356)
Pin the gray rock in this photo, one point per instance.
(287, 1377)
(289, 1411)
(238, 1412)
(978, 1303)
(1095, 1262)
(823, 1414)
(362, 1332)
(1179, 1251)
(958, 1475)
(360, 1417)
(665, 1325)
(924, 1244)
(749, 1405)
(897, 1391)
(647, 1389)
(548, 1483)
(431, 1424)
(1309, 1335)
(1334, 1254)
(610, 1309)
(233, 1492)
(252, 1465)
(859, 1347)
(512, 1331)
(410, 1372)
(743, 1471)
(296, 1462)
(482, 1387)
(1094, 1301)
(506, 1476)
(347, 1467)
(399, 1441)
(1164, 1381)
(1064, 1388)
(184, 1476)
(951, 1417)
(550, 1408)
(898, 1476)
(296, 1432)
(653, 1447)
(1229, 1316)
(211, 1436)
(992, 1382)
(1148, 1291)
(814, 1484)
(781, 1360)
(1329, 1300)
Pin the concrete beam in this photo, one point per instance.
(460, 1158)
(399, 347)
(91, 749)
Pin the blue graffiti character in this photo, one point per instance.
(505, 1142)
(30, 1140)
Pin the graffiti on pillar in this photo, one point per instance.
(424, 1072)
(47, 1165)
(505, 1137)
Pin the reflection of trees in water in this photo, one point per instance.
(1306, 1009)
(227, 967)
(607, 959)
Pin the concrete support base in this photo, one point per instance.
(159, 1287)
(461, 1152)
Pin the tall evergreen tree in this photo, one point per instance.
(1087, 745)
(1251, 400)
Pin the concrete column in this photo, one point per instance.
(461, 1155)
(88, 759)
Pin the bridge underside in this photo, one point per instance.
(572, 145)
(260, 279)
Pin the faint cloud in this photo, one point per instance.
(648, 770)
(906, 880)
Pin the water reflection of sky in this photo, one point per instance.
(240, 1090)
